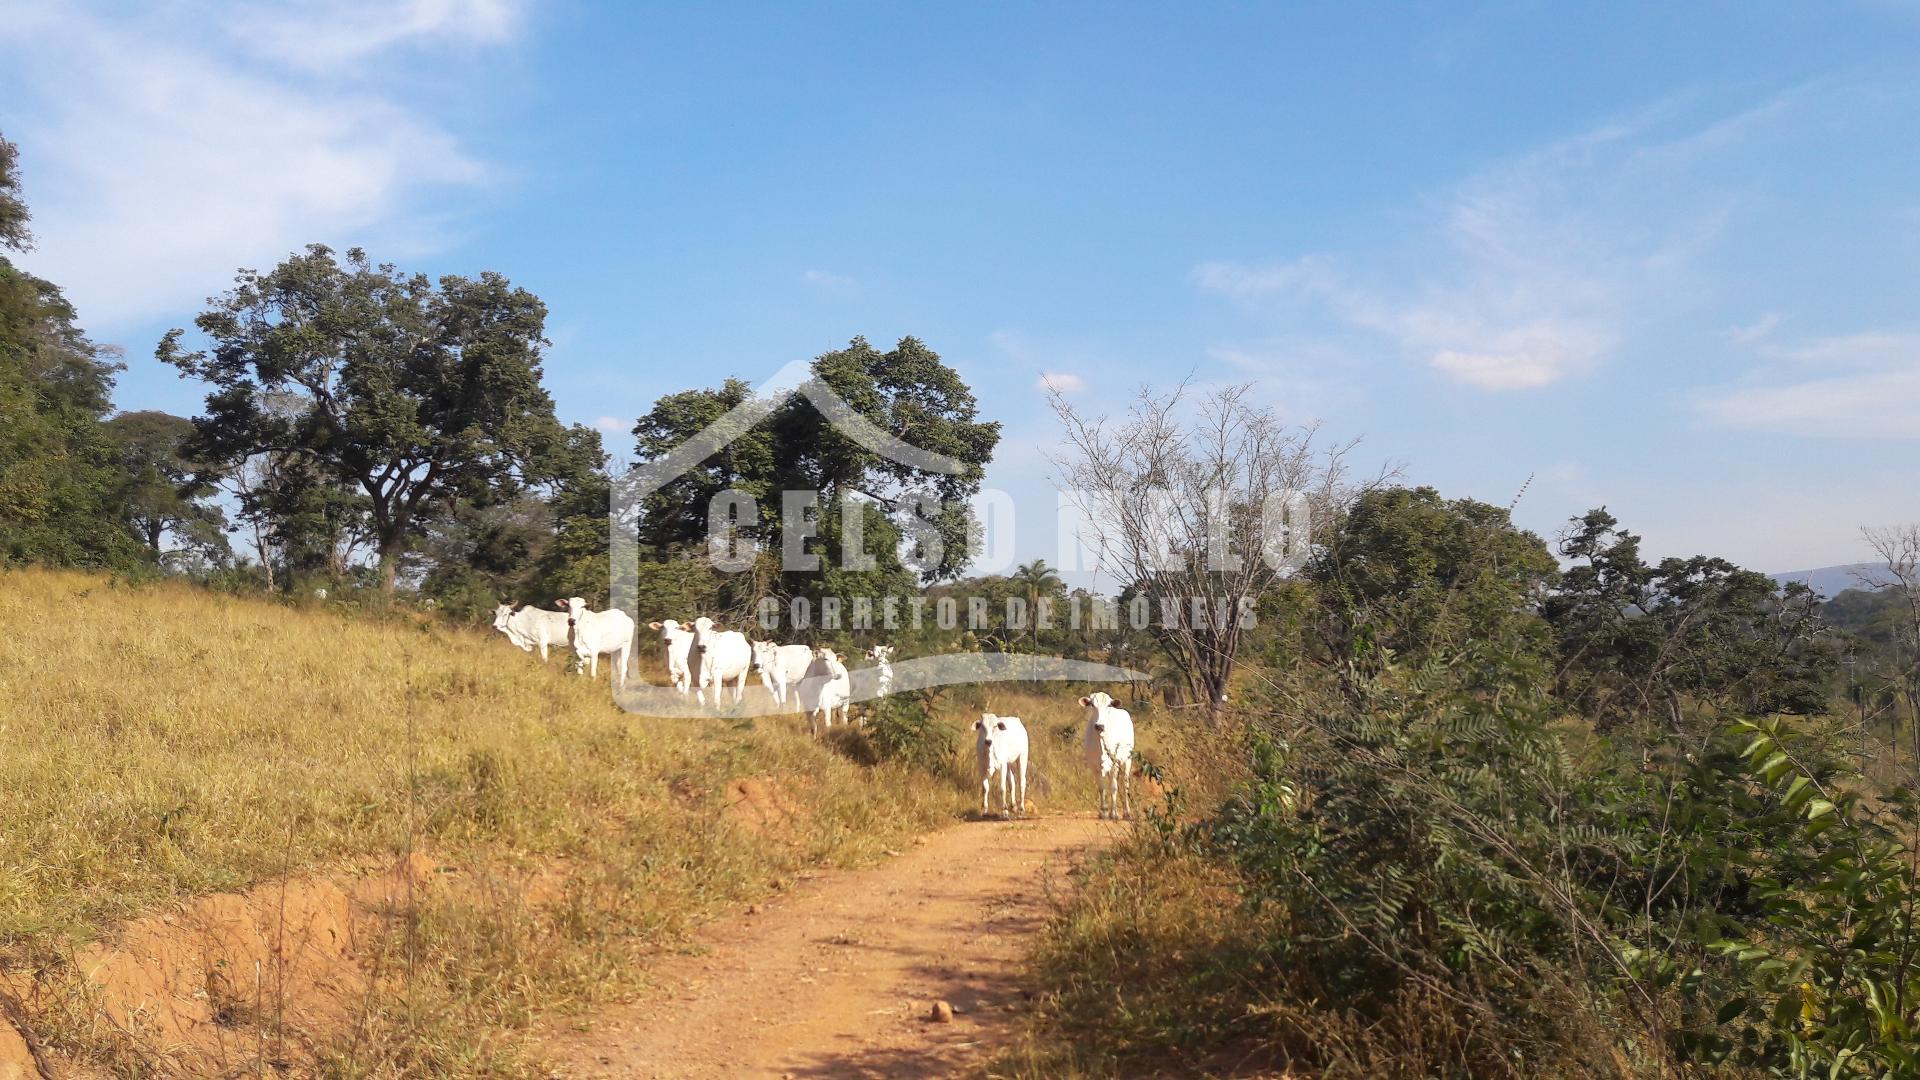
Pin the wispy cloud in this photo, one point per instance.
(1535, 269)
(1304, 380)
(828, 281)
(1755, 330)
(159, 157)
(611, 424)
(1500, 334)
(1864, 385)
(321, 35)
(1054, 360)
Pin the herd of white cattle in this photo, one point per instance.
(815, 681)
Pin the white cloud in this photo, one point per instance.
(157, 163)
(1535, 269)
(1305, 380)
(1864, 385)
(1489, 371)
(822, 279)
(321, 35)
(1755, 330)
(612, 424)
(1498, 335)
(1047, 357)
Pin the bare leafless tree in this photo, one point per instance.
(1898, 547)
(1198, 502)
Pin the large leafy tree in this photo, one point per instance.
(164, 495)
(531, 548)
(1642, 641)
(677, 513)
(911, 394)
(907, 392)
(413, 392)
(1415, 573)
(60, 472)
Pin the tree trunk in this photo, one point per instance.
(390, 552)
(393, 544)
(266, 557)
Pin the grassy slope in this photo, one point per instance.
(162, 741)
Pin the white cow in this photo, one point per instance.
(679, 641)
(882, 657)
(1108, 745)
(781, 667)
(826, 687)
(717, 658)
(598, 633)
(1000, 751)
(531, 626)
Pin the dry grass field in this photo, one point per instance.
(161, 743)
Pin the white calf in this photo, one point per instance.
(1000, 751)
(826, 687)
(781, 667)
(599, 633)
(882, 657)
(717, 658)
(1108, 745)
(531, 626)
(679, 640)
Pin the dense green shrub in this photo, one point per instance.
(902, 728)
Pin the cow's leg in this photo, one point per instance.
(986, 783)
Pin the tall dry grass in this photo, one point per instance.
(158, 741)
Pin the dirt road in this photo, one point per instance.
(836, 977)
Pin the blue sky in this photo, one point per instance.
(1660, 257)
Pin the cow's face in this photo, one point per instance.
(881, 653)
(501, 614)
(989, 726)
(667, 627)
(703, 631)
(765, 654)
(1097, 700)
(574, 606)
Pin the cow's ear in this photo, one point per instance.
(1086, 701)
(653, 626)
(560, 604)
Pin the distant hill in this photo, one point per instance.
(1831, 581)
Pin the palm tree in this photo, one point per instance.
(1039, 580)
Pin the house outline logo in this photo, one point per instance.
(629, 490)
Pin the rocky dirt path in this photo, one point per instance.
(836, 977)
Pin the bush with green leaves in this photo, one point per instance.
(902, 728)
(1828, 974)
(1729, 903)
